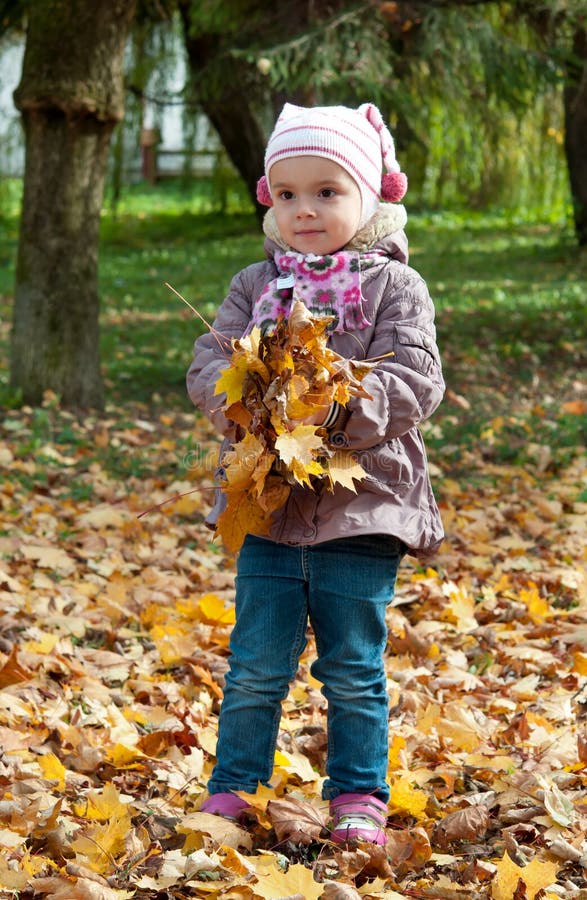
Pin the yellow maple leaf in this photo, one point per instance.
(243, 515)
(259, 800)
(461, 607)
(43, 644)
(282, 362)
(458, 725)
(260, 473)
(298, 880)
(396, 748)
(344, 469)
(404, 797)
(123, 757)
(298, 445)
(13, 877)
(538, 608)
(101, 805)
(274, 494)
(213, 609)
(232, 377)
(297, 386)
(537, 875)
(99, 845)
(52, 769)
(303, 471)
(304, 329)
(305, 400)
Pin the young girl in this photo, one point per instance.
(332, 556)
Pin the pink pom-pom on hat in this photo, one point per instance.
(393, 186)
(263, 192)
(357, 139)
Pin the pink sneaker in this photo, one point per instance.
(227, 805)
(358, 817)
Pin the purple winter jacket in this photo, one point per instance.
(396, 498)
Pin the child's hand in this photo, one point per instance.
(324, 415)
(316, 418)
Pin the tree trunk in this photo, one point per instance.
(71, 96)
(228, 108)
(575, 104)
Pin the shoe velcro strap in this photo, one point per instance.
(357, 821)
(360, 808)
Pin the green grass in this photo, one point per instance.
(510, 293)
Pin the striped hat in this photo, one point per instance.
(356, 139)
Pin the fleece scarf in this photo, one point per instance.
(327, 285)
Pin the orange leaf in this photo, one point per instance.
(12, 672)
(242, 516)
(575, 407)
(409, 849)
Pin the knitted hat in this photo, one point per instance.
(356, 139)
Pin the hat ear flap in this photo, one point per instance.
(263, 192)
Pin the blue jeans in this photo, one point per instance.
(343, 588)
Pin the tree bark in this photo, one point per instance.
(575, 106)
(229, 109)
(70, 96)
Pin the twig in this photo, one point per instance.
(210, 328)
(175, 497)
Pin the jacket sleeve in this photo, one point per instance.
(213, 349)
(407, 385)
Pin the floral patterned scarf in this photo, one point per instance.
(327, 285)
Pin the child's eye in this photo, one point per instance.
(286, 195)
(327, 192)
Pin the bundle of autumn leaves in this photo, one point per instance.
(274, 384)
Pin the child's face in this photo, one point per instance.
(317, 204)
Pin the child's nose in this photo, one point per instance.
(305, 208)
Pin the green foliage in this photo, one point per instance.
(166, 234)
(510, 297)
(345, 56)
(489, 129)
(229, 17)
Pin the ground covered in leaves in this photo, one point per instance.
(114, 625)
(113, 649)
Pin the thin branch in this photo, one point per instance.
(219, 337)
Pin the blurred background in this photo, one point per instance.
(131, 140)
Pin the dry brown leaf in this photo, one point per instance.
(296, 821)
(463, 825)
(408, 850)
(335, 890)
(63, 888)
